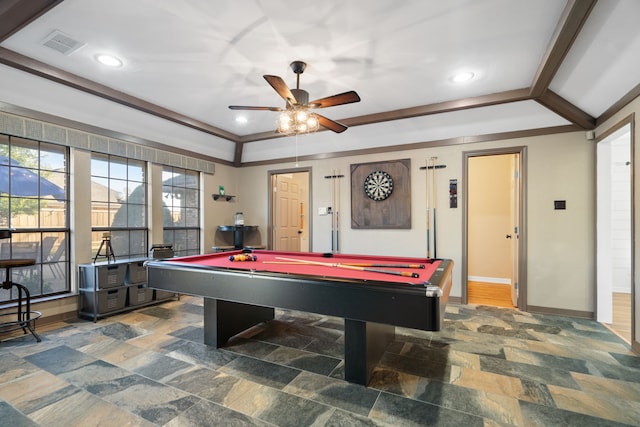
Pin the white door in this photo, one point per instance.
(614, 239)
(604, 275)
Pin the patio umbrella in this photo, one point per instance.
(17, 180)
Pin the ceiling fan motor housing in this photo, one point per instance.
(302, 96)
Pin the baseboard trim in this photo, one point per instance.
(561, 312)
(60, 317)
(497, 280)
(621, 290)
(455, 300)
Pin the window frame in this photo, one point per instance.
(121, 233)
(48, 243)
(185, 182)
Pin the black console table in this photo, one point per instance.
(243, 236)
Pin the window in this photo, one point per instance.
(33, 205)
(118, 206)
(181, 210)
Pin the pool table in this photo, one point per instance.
(371, 293)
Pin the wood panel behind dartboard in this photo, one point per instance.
(394, 211)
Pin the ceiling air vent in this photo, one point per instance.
(62, 42)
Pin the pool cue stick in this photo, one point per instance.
(351, 267)
(383, 265)
(435, 205)
(334, 243)
(427, 194)
(338, 211)
(282, 262)
(354, 264)
(332, 191)
(334, 197)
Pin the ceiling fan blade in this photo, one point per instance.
(331, 124)
(281, 87)
(330, 101)
(245, 107)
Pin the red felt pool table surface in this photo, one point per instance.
(271, 261)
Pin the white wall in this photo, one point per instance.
(561, 244)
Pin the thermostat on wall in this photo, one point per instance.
(559, 204)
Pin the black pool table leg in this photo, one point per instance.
(364, 345)
(224, 319)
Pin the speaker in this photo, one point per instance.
(591, 135)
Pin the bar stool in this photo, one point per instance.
(25, 319)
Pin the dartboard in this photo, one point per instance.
(378, 185)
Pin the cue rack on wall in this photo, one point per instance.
(334, 209)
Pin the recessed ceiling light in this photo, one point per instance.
(241, 119)
(109, 60)
(462, 77)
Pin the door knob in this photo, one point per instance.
(508, 236)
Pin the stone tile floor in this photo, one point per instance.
(487, 367)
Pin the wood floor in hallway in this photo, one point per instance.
(493, 294)
(621, 315)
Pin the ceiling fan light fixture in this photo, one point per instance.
(284, 122)
(302, 115)
(297, 120)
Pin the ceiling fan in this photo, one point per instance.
(298, 105)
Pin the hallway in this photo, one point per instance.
(492, 294)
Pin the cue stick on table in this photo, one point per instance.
(364, 264)
(355, 264)
(350, 267)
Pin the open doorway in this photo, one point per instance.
(289, 219)
(493, 240)
(614, 231)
